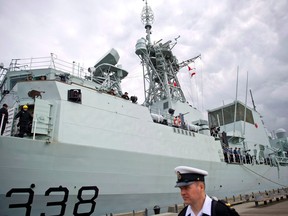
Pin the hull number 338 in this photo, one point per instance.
(83, 200)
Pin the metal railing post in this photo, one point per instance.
(35, 125)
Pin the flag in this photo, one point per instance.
(189, 68)
(192, 74)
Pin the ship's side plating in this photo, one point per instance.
(124, 178)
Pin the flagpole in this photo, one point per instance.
(223, 118)
(235, 111)
(245, 111)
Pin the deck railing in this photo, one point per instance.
(49, 62)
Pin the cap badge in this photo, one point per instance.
(179, 176)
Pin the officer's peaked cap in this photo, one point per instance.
(187, 175)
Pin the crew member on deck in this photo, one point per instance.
(43, 78)
(177, 121)
(25, 119)
(231, 158)
(125, 96)
(29, 78)
(226, 153)
(192, 188)
(3, 117)
(235, 152)
(111, 92)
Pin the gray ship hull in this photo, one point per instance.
(126, 180)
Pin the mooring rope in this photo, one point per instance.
(264, 176)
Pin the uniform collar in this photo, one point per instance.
(207, 206)
(206, 209)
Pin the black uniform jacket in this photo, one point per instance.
(217, 209)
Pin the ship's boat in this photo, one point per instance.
(89, 151)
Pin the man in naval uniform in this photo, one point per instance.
(192, 188)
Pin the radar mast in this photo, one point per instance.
(147, 18)
(160, 67)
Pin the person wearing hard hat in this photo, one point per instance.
(24, 120)
(192, 189)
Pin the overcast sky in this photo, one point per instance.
(228, 33)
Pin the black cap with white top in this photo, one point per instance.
(187, 175)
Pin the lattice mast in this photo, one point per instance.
(160, 66)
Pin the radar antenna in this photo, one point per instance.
(160, 67)
(147, 18)
(185, 63)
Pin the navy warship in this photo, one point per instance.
(91, 150)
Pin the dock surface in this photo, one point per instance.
(279, 208)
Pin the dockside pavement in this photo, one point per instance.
(279, 208)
